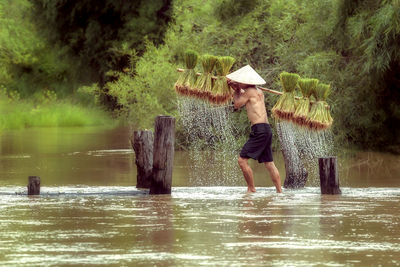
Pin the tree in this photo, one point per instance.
(100, 33)
(353, 45)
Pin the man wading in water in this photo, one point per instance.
(258, 146)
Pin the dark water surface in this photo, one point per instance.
(90, 213)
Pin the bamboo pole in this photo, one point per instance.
(259, 87)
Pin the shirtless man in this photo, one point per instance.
(258, 146)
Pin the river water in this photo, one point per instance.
(89, 212)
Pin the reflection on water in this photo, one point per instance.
(90, 213)
(67, 156)
(199, 226)
(101, 156)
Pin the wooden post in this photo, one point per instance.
(296, 173)
(33, 185)
(328, 175)
(163, 155)
(142, 143)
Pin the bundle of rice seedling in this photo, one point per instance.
(285, 106)
(187, 78)
(204, 83)
(320, 117)
(221, 92)
(307, 87)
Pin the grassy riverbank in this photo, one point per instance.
(22, 114)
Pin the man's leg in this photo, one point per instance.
(247, 173)
(274, 173)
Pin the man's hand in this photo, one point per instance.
(240, 99)
(234, 85)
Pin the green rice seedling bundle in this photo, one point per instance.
(307, 87)
(221, 92)
(187, 78)
(320, 117)
(285, 106)
(204, 83)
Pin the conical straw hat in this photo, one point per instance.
(246, 75)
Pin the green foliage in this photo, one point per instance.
(377, 33)
(61, 45)
(89, 94)
(45, 111)
(138, 104)
(28, 62)
(354, 45)
(101, 33)
(18, 37)
(231, 9)
(53, 49)
(369, 85)
(8, 95)
(146, 94)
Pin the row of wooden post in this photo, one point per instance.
(155, 157)
(154, 162)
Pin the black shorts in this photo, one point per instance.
(258, 146)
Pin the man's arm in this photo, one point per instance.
(240, 99)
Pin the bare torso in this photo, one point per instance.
(255, 106)
(253, 99)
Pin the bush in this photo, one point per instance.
(351, 45)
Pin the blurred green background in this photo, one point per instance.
(91, 62)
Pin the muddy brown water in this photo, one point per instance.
(89, 212)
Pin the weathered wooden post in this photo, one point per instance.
(33, 185)
(142, 143)
(163, 155)
(328, 176)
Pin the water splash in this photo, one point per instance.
(313, 145)
(213, 148)
(302, 148)
(296, 173)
